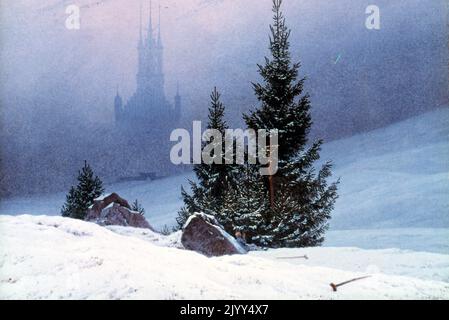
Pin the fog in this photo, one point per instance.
(57, 86)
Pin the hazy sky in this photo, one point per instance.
(206, 43)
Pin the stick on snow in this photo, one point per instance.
(298, 257)
(335, 286)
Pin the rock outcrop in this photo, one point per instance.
(114, 210)
(202, 233)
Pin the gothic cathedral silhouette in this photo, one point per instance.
(148, 109)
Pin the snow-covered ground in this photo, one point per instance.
(45, 257)
(393, 193)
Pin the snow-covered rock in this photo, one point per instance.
(59, 258)
(114, 210)
(202, 233)
(116, 215)
(103, 202)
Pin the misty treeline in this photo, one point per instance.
(46, 160)
(290, 208)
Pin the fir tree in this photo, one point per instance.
(79, 199)
(246, 206)
(300, 199)
(165, 230)
(70, 203)
(214, 180)
(137, 207)
(280, 107)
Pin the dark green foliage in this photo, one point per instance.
(302, 200)
(246, 206)
(81, 197)
(291, 208)
(282, 106)
(70, 203)
(214, 180)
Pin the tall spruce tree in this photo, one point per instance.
(214, 180)
(82, 196)
(300, 199)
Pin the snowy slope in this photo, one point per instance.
(394, 177)
(58, 258)
(416, 239)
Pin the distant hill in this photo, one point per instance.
(394, 177)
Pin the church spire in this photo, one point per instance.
(118, 106)
(159, 38)
(140, 27)
(177, 110)
(150, 25)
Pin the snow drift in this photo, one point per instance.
(58, 258)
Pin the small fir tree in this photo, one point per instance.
(137, 207)
(69, 206)
(81, 197)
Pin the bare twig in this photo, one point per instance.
(335, 286)
(298, 257)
